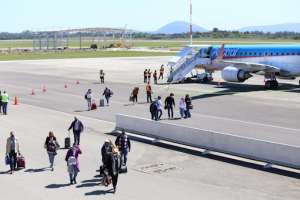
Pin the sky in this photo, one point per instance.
(143, 15)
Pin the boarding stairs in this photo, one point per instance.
(185, 65)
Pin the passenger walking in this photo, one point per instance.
(101, 75)
(134, 94)
(155, 77)
(149, 75)
(189, 106)
(72, 159)
(161, 72)
(51, 145)
(0, 103)
(107, 94)
(5, 100)
(113, 167)
(154, 110)
(106, 150)
(182, 108)
(159, 108)
(77, 128)
(124, 145)
(88, 97)
(169, 105)
(149, 93)
(145, 76)
(12, 150)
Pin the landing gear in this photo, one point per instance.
(270, 82)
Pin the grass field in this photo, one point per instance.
(78, 54)
(176, 43)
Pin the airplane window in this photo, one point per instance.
(282, 54)
(250, 54)
(288, 54)
(293, 54)
(277, 54)
(271, 54)
(255, 54)
(298, 53)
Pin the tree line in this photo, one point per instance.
(215, 33)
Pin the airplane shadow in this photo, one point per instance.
(235, 88)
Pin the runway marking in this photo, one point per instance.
(247, 122)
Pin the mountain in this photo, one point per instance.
(179, 27)
(290, 27)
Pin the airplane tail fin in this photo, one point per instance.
(221, 52)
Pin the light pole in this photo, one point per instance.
(191, 22)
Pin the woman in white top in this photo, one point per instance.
(182, 107)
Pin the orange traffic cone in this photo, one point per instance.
(77, 82)
(16, 101)
(32, 92)
(66, 86)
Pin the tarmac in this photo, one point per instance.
(155, 172)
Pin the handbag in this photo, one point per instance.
(191, 107)
(7, 160)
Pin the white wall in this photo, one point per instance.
(274, 153)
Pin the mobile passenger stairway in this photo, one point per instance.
(184, 62)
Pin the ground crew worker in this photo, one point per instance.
(161, 72)
(149, 75)
(0, 103)
(134, 94)
(5, 100)
(124, 145)
(155, 77)
(101, 74)
(149, 93)
(145, 76)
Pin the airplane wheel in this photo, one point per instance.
(271, 85)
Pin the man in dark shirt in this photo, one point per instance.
(170, 105)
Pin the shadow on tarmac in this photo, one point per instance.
(55, 186)
(100, 192)
(37, 170)
(234, 88)
(199, 153)
(4, 172)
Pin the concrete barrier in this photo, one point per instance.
(274, 153)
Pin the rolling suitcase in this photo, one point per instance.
(94, 106)
(101, 102)
(68, 142)
(21, 161)
(123, 169)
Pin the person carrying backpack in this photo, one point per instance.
(51, 145)
(73, 163)
(123, 143)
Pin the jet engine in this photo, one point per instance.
(233, 74)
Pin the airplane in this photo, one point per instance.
(239, 62)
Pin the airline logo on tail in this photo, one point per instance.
(221, 52)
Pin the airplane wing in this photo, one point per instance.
(252, 67)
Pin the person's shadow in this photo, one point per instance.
(100, 192)
(55, 186)
(37, 170)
